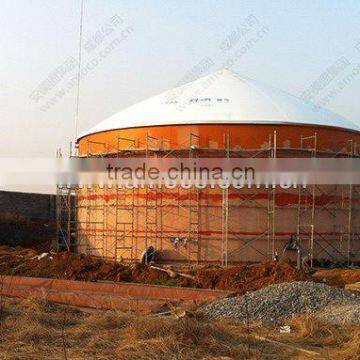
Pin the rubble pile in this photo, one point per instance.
(275, 303)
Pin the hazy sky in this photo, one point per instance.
(137, 48)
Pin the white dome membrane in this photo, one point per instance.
(222, 97)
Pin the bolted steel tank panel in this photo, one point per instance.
(122, 223)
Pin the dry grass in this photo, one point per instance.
(335, 341)
(40, 330)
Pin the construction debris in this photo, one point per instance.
(275, 303)
(173, 274)
(123, 296)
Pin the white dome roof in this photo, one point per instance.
(222, 97)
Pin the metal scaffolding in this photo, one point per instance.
(88, 223)
(67, 222)
(306, 205)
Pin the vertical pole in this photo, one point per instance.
(271, 201)
(349, 232)
(225, 212)
(132, 223)
(103, 214)
(76, 218)
(146, 196)
(312, 227)
(275, 144)
(58, 219)
(313, 209)
(117, 205)
(79, 69)
(58, 212)
(68, 224)
(350, 201)
(193, 210)
(225, 226)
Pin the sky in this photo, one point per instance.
(133, 49)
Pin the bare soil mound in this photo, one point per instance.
(245, 278)
(338, 277)
(27, 262)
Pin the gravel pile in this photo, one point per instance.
(280, 301)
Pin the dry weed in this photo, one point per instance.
(339, 342)
(38, 329)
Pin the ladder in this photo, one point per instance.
(66, 218)
(306, 205)
(193, 243)
(124, 224)
(151, 217)
(225, 227)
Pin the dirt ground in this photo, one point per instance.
(245, 278)
(32, 329)
(27, 262)
(338, 277)
(40, 330)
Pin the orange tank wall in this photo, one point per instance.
(124, 234)
(240, 136)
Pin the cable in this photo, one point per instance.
(79, 70)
